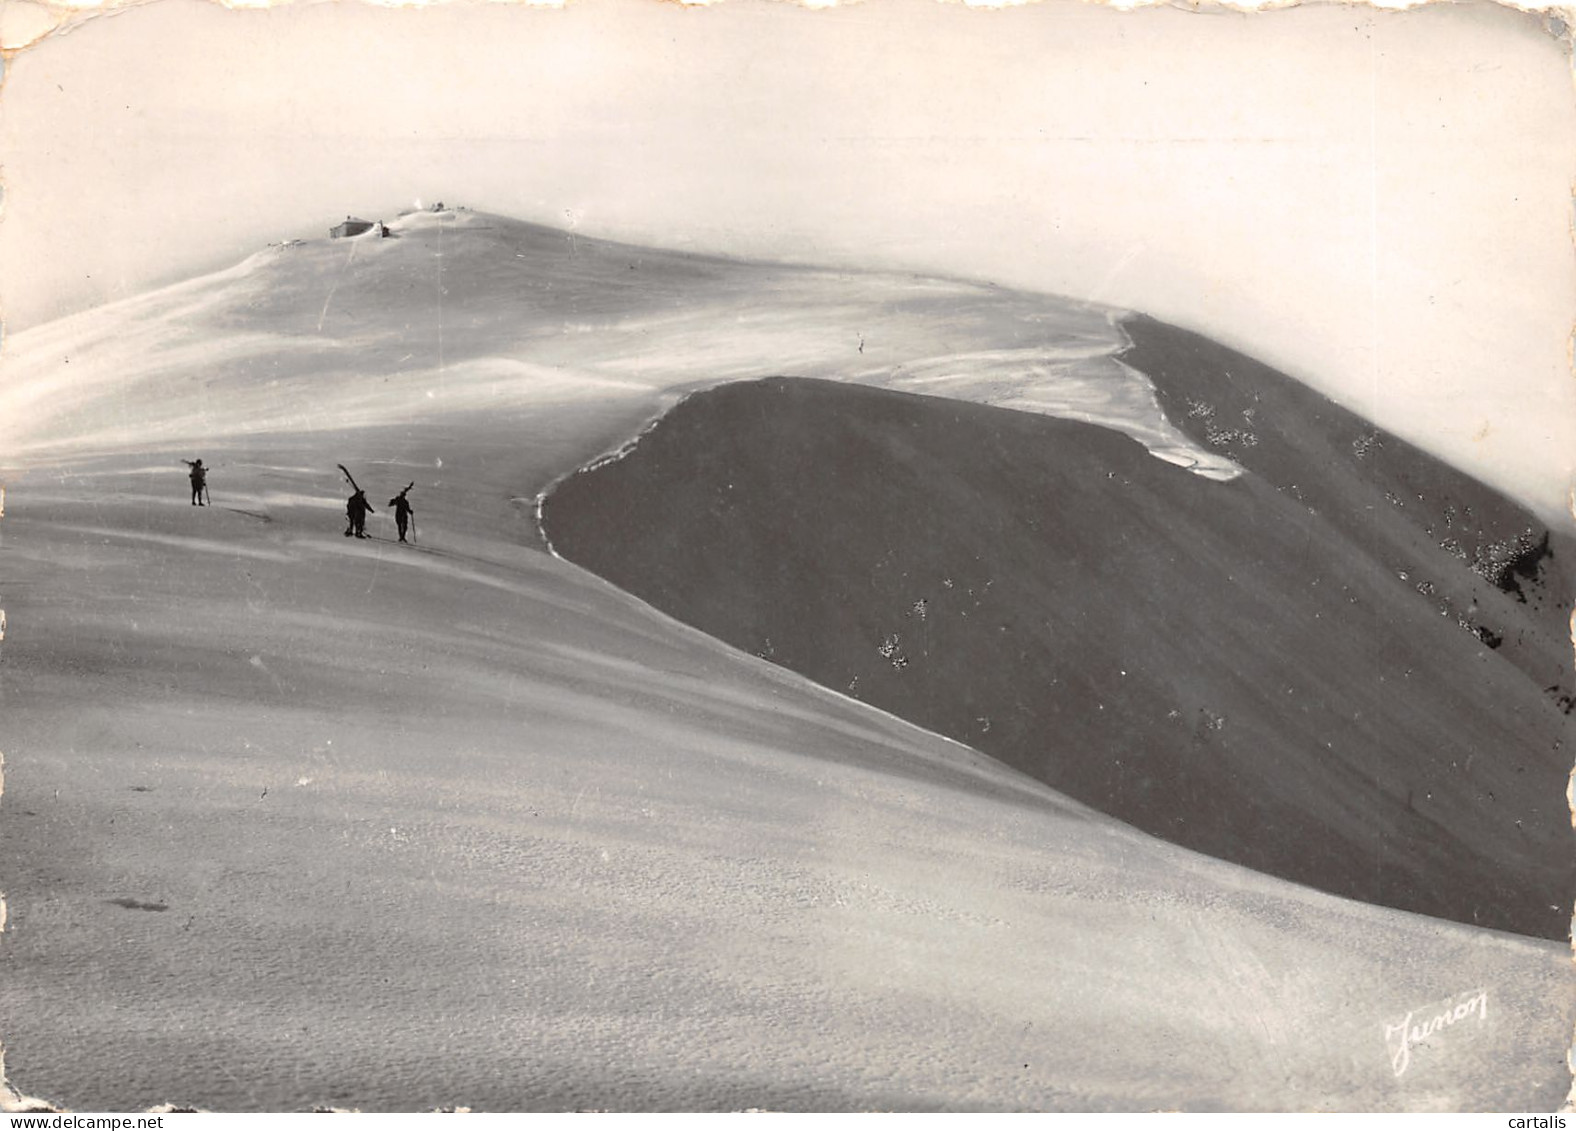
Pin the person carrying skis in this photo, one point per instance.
(356, 507)
(199, 478)
(356, 510)
(402, 510)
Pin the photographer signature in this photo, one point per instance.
(1402, 1038)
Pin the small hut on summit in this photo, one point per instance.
(351, 227)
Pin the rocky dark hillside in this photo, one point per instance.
(1291, 670)
(1396, 503)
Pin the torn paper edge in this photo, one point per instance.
(26, 23)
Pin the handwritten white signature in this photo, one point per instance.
(1403, 1038)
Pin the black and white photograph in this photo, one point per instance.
(896, 556)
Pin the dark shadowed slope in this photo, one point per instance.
(1397, 504)
(1214, 662)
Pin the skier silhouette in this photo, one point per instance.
(199, 478)
(356, 508)
(402, 511)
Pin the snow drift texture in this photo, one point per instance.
(294, 820)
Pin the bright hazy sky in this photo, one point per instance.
(1376, 202)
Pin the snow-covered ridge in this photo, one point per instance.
(465, 312)
(1096, 388)
(612, 455)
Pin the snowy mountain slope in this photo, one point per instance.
(292, 819)
(466, 310)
